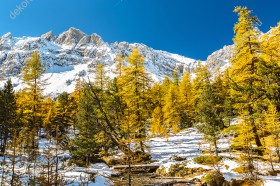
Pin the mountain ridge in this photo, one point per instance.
(74, 54)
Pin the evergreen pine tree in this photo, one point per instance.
(119, 65)
(89, 141)
(158, 127)
(75, 98)
(202, 76)
(166, 85)
(101, 79)
(186, 100)
(245, 78)
(8, 114)
(209, 114)
(135, 82)
(273, 126)
(171, 112)
(176, 77)
(32, 72)
(270, 65)
(229, 110)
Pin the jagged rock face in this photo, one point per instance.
(70, 37)
(158, 62)
(49, 36)
(6, 42)
(220, 59)
(94, 39)
(74, 49)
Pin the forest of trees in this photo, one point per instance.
(107, 114)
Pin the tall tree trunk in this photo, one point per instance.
(111, 132)
(56, 157)
(277, 146)
(251, 112)
(3, 170)
(13, 160)
(216, 147)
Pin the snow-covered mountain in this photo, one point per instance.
(220, 59)
(74, 54)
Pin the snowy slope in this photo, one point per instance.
(185, 144)
(74, 54)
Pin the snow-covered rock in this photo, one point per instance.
(73, 52)
(49, 36)
(220, 59)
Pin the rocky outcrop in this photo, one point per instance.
(220, 59)
(70, 37)
(94, 39)
(49, 36)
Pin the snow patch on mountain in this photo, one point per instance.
(220, 59)
(74, 54)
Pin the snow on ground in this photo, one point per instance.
(72, 174)
(184, 144)
(271, 180)
(187, 143)
(76, 175)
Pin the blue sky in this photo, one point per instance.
(193, 28)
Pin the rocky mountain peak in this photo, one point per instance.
(49, 36)
(7, 36)
(70, 37)
(6, 41)
(93, 39)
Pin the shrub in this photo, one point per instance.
(80, 163)
(179, 170)
(139, 157)
(246, 182)
(241, 170)
(214, 179)
(208, 160)
(161, 171)
(177, 158)
(113, 161)
(273, 173)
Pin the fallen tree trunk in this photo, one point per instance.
(136, 168)
(111, 132)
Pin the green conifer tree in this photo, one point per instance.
(209, 114)
(245, 78)
(8, 114)
(89, 141)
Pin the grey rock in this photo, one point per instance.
(70, 37)
(49, 36)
